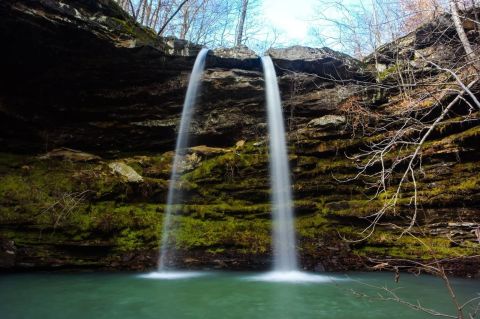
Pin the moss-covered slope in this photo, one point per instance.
(62, 212)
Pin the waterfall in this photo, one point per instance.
(285, 258)
(180, 150)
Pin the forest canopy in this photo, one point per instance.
(353, 27)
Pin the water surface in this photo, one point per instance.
(217, 295)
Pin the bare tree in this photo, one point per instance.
(241, 22)
(460, 31)
(363, 27)
(418, 12)
(392, 162)
(395, 159)
(185, 19)
(208, 22)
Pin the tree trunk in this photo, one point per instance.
(144, 10)
(156, 13)
(121, 3)
(132, 9)
(170, 19)
(185, 23)
(475, 13)
(137, 12)
(377, 42)
(460, 31)
(241, 23)
(148, 14)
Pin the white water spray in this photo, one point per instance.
(285, 258)
(180, 150)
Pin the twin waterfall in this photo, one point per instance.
(285, 259)
(180, 150)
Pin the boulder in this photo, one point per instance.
(324, 62)
(179, 47)
(208, 151)
(189, 162)
(7, 253)
(240, 52)
(70, 155)
(128, 173)
(327, 121)
(439, 30)
(240, 57)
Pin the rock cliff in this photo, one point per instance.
(89, 108)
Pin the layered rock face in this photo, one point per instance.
(89, 108)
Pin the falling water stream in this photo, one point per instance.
(285, 258)
(284, 242)
(180, 150)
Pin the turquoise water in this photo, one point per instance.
(217, 295)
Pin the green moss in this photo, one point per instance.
(245, 236)
(472, 184)
(313, 226)
(38, 193)
(12, 161)
(459, 185)
(385, 73)
(32, 236)
(327, 167)
(216, 250)
(226, 167)
(129, 240)
(455, 140)
(407, 247)
(391, 72)
(390, 244)
(227, 198)
(133, 226)
(222, 210)
(353, 207)
(142, 34)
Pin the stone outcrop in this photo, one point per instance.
(83, 76)
(436, 40)
(81, 88)
(125, 171)
(328, 121)
(325, 63)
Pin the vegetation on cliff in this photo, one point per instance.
(104, 209)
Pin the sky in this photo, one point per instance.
(290, 17)
(293, 19)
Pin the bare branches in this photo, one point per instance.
(203, 22)
(388, 294)
(377, 156)
(160, 31)
(391, 163)
(465, 88)
(64, 207)
(361, 27)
